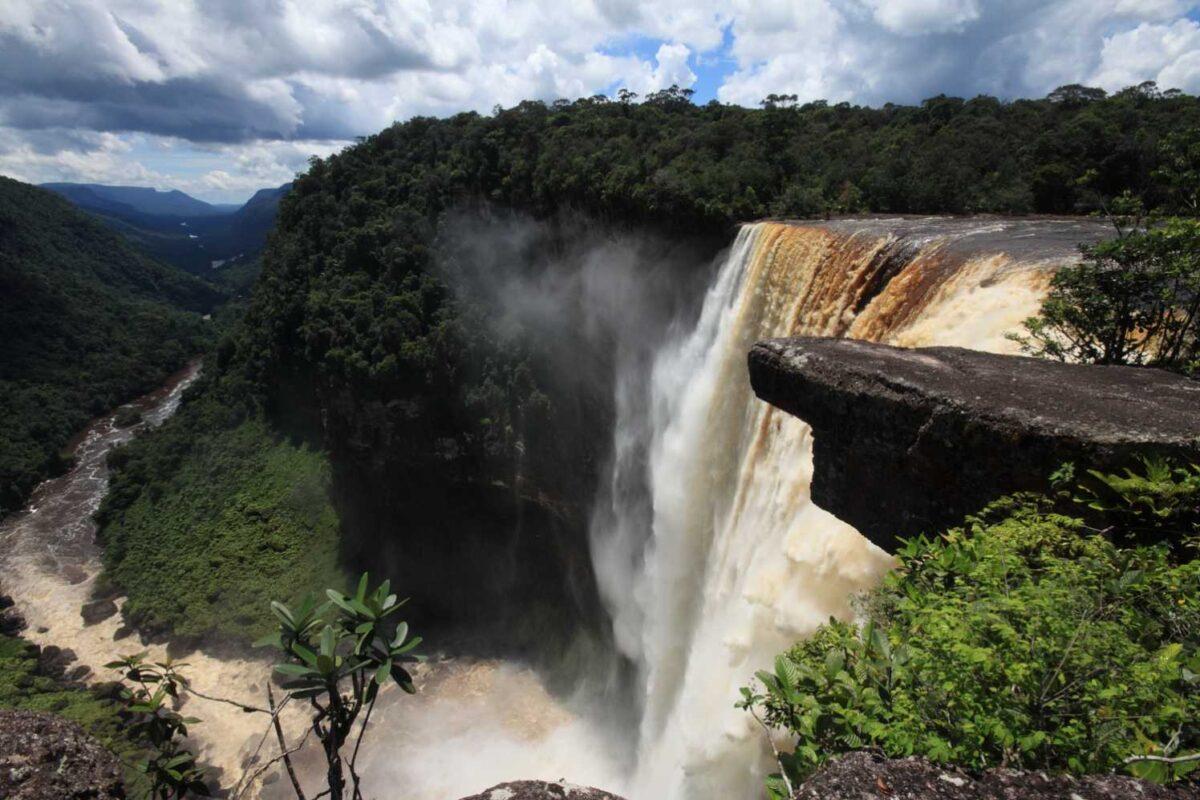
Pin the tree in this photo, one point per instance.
(337, 656)
(1132, 300)
(149, 691)
(1075, 95)
(1179, 171)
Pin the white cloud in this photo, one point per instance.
(875, 51)
(922, 17)
(1169, 54)
(58, 155)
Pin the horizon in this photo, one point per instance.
(222, 101)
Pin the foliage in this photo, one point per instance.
(1132, 300)
(149, 692)
(1023, 639)
(201, 530)
(1161, 499)
(337, 656)
(86, 323)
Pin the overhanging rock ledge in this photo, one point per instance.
(911, 440)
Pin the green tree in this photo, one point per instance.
(150, 691)
(337, 656)
(1132, 300)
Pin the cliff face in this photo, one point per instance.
(910, 440)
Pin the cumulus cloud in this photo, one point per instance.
(876, 51)
(238, 79)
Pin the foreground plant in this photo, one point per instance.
(1024, 639)
(150, 691)
(337, 656)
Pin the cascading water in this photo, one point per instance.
(720, 560)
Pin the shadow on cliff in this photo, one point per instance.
(481, 517)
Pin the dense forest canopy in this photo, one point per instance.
(87, 322)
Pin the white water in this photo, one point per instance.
(723, 561)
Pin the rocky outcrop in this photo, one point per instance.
(44, 757)
(96, 611)
(911, 440)
(861, 776)
(540, 790)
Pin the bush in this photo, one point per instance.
(1022, 639)
(1133, 300)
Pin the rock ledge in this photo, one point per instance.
(44, 757)
(861, 776)
(541, 790)
(911, 440)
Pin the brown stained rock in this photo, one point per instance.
(907, 441)
(44, 757)
(862, 776)
(540, 790)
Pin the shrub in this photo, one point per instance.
(1022, 639)
(1133, 300)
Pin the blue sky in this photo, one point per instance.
(222, 97)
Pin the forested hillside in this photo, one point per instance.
(86, 323)
(359, 338)
(217, 243)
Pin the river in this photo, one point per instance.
(49, 562)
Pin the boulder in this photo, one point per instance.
(44, 757)
(862, 776)
(911, 440)
(540, 790)
(97, 611)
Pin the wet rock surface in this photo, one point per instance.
(862, 776)
(911, 440)
(44, 757)
(540, 790)
(11, 621)
(97, 611)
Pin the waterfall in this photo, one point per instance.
(710, 554)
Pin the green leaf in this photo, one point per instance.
(270, 640)
(284, 613)
(294, 669)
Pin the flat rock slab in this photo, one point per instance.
(540, 790)
(861, 776)
(912, 440)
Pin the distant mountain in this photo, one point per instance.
(202, 238)
(86, 323)
(143, 200)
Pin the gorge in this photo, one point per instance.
(705, 554)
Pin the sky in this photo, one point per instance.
(222, 97)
